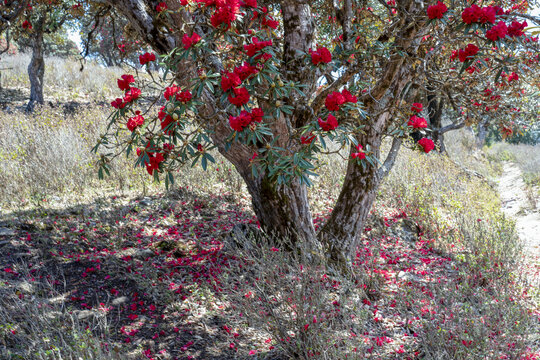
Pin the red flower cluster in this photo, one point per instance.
(426, 144)
(335, 99)
(146, 58)
(26, 25)
(226, 11)
(123, 83)
(417, 107)
(417, 122)
(245, 71)
(162, 6)
(245, 119)
(270, 22)
(155, 160)
(330, 123)
(135, 121)
(513, 76)
(497, 32)
(467, 53)
(131, 94)
(506, 131)
(256, 46)
(436, 11)
(476, 14)
(321, 55)
(166, 120)
(239, 97)
(307, 139)
(516, 28)
(184, 96)
(170, 91)
(360, 154)
(190, 41)
(230, 81)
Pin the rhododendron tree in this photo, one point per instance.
(271, 83)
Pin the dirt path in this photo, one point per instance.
(515, 204)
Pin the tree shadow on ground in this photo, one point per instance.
(141, 263)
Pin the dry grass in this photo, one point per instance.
(63, 79)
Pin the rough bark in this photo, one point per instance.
(36, 68)
(482, 132)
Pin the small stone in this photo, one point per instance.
(120, 300)
(6, 232)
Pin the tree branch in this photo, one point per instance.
(390, 158)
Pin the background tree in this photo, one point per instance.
(37, 19)
(54, 44)
(108, 36)
(269, 84)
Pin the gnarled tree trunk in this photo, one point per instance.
(36, 68)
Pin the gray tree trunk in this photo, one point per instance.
(36, 68)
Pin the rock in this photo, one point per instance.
(7, 232)
(84, 314)
(120, 300)
(407, 276)
(143, 254)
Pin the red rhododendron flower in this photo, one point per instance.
(123, 83)
(241, 96)
(471, 14)
(426, 144)
(162, 6)
(330, 123)
(416, 107)
(257, 115)
(436, 11)
(146, 58)
(516, 28)
(417, 122)
(256, 46)
(269, 21)
(132, 95)
(136, 121)
(230, 81)
(321, 55)
(349, 97)
(497, 32)
(225, 14)
(118, 103)
(334, 100)
(170, 91)
(184, 96)
(245, 71)
(307, 139)
(153, 165)
(468, 53)
(166, 120)
(26, 25)
(513, 76)
(487, 15)
(190, 41)
(238, 123)
(360, 154)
